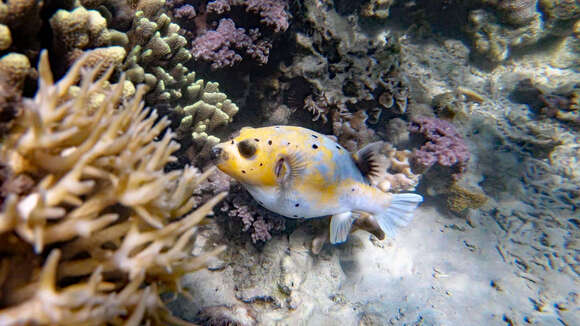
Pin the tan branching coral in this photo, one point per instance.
(461, 197)
(100, 233)
(398, 175)
(319, 107)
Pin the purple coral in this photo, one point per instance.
(256, 220)
(217, 46)
(272, 12)
(443, 145)
(185, 12)
(224, 32)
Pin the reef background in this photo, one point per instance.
(478, 101)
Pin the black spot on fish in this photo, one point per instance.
(232, 142)
(261, 164)
(352, 189)
(295, 215)
(269, 142)
(315, 146)
(296, 205)
(314, 136)
(256, 139)
(338, 147)
(244, 171)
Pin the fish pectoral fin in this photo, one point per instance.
(289, 166)
(340, 225)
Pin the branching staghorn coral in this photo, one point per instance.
(100, 233)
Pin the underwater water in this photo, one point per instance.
(434, 179)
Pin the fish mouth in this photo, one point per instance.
(217, 154)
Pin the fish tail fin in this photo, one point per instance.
(399, 213)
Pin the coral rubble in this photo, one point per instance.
(562, 104)
(101, 229)
(498, 27)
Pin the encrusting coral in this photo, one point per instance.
(103, 229)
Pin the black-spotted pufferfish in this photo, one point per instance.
(299, 173)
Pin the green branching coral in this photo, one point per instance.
(158, 58)
(211, 111)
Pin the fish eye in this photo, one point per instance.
(246, 148)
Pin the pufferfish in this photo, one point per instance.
(299, 173)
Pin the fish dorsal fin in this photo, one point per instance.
(288, 167)
(371, 162)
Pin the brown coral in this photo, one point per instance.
(81, 29)
(14, 68)
(518, 12)
(99, 234)
(351, 129)
(460, 198)
(22, 19)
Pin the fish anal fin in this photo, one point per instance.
(340, 225)
(372, 163)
